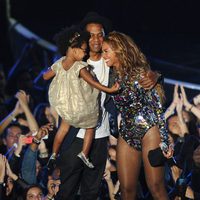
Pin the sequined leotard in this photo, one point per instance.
(140, 110)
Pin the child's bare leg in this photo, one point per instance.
(89, 135)
(60, 135)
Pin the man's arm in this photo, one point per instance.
(149, 79)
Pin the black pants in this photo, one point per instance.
(75, 173)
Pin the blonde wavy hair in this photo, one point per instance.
(132, 60)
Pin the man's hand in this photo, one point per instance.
(148, 79)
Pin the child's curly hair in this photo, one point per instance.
(70, 37)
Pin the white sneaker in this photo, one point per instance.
(82, 156)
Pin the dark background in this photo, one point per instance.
(167, 31)
(130, 16)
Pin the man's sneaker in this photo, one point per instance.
(82, 156)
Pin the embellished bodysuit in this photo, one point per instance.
(140, 110)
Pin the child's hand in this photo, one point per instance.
(114, 88)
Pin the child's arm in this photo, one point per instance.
(48, 74)
(90, 80)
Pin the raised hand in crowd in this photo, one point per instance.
(196, 100)
(2, 175)
(2, 168)
(11, 117)
(43, 149)
(186, 103)
(43, 131)
(53, 188)
(21, 143)
(10, 173)
(188, 106)
(182, 124)
(37, 139)
(171, 108)
(6, 170)
(23, 99)
(28, 168)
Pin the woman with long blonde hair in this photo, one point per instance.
(142, 126)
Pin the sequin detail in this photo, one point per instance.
(140, 110)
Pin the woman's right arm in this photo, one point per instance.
(48, 74)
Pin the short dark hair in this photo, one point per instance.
(70, 37)
(5, 133)
(94, 17)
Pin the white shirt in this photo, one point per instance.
(102, 73)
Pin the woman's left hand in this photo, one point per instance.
(170, 152)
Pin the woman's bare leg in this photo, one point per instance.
(60, 135)
(89, 135)
(128, 168)
(154, 175)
